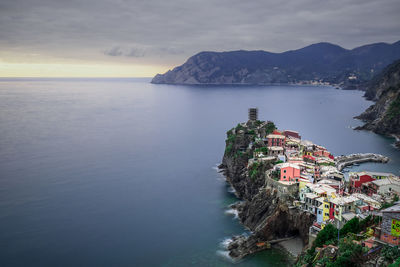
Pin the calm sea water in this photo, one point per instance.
(120, 172)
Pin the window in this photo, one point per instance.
(284, 177)
(319, 212)
(326, 214)
(326, 206)
(284, 171)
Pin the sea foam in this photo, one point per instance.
(233, 212)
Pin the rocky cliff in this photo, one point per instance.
(384, 116)
(323, 61)
(266, 208)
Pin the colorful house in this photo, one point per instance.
(290, 172)
(292, 145)
(366, 203)
(317, 173)
(380, 175)
(276, 151)
(310, 203)
(308, 152)
(391, 225)
(320, 210)
(384, 186)
(326, 210)
(322, 153)
(275, 140)
(343, 205)
(309, 158)
(357, 179)
(290, 133)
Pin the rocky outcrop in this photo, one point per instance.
(384, 116)
(267, 207)
(239, 148)
(323, 61)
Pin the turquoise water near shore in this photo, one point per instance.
(121, 172)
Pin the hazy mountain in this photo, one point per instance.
(322, 61)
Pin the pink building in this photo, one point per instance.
(275, 140)
(290, 172)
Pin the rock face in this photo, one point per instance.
(322, 61)
(267, 209)
(384, 116)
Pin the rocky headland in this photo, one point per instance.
(383, 117)
(266, 209)
(270, 206)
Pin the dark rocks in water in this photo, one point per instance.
(383, 117)
(242, 246)
(322, 61)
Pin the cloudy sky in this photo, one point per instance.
(112, 38)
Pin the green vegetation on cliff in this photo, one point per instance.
(254, 170)
(394, 108)
(263, 150)
(384, 116)
(349, 251)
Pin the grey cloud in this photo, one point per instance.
(117, 51)
(141, 52)
(114, 52)
(134, 52)
(167, 32)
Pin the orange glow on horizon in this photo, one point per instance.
(59, 70)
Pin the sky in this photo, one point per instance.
(140, 38)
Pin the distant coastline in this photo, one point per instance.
(321, 63)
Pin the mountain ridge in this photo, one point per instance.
(323, 62)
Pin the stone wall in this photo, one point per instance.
(283, 189)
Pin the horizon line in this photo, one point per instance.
(72, 77)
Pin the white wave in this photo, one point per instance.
(231, 190)
(225, 254)
(233, 212)
(225, 243)
(217, 168)
(221, 176)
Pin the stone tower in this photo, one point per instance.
(253, 114)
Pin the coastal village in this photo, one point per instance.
(320, 184)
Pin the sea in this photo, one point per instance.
(122, 172)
